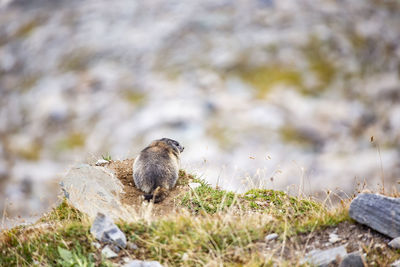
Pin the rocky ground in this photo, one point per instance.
(274, 94)
(199, 225)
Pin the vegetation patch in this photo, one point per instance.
(215, 227)
(208, 199)
(264, 78)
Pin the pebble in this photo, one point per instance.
(395, 243)
(102, 162)
(104, 230)
(108, 253)
(96, 245)
(333, 238)
(131, 246)
(270, 237)
(138, 263)
(395, 264)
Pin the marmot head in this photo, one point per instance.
(172, 143)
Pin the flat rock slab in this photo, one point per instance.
(379, 212)
(325, 257)
(94, 189)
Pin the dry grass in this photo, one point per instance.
(211, 227)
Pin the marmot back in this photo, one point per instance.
(156, 169)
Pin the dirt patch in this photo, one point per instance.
(134, 197)
(354, 236)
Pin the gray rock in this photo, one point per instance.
(101, 162)
(96, 245)
(93, 189)
(333, 238)
(354, 259)
(131, 245)
(271, 237)
(138, 263)
(395, 243)
(379, 212)
(108, 253)
(395, 264)
(324, 257)
(104, 230)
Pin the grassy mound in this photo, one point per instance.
(213, 227)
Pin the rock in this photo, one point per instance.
(193, 186)
(108, 253)
(185, 257)
(271, 237)
(395, 264)
(354, 259)
(333, 238)
(104, 230)
(138, 263)
(324, 257)
(395, 243)
(379, 212)
(131, 246)
(93, 189)
(96, 245)
(101, 162)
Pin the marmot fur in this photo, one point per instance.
(156, 169)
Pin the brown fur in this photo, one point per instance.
(155, 170)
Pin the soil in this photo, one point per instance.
(354, 236)
(134, 197)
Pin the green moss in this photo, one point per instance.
(31, 152)
(25, 246)
(136, 98)
(74, 140)
(221, 134)
(263, 79)
(290, 134)
(76, 60)
(207, 199)
(27, 28)
(320, 64)
(63, 212)
(279, 202)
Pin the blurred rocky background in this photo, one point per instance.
(262, 93)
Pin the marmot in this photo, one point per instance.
(156, 169)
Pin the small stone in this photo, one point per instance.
(325, 257)
(108, 253)
(395, 243)
(126, 259)
(270, 237)
(333, 238)
(96, 245)
(131, 246)
(102, 162)
(185, 257)
(395, 264)
(193, 186)
(104, 230)
(138, 263)
(354, 259)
